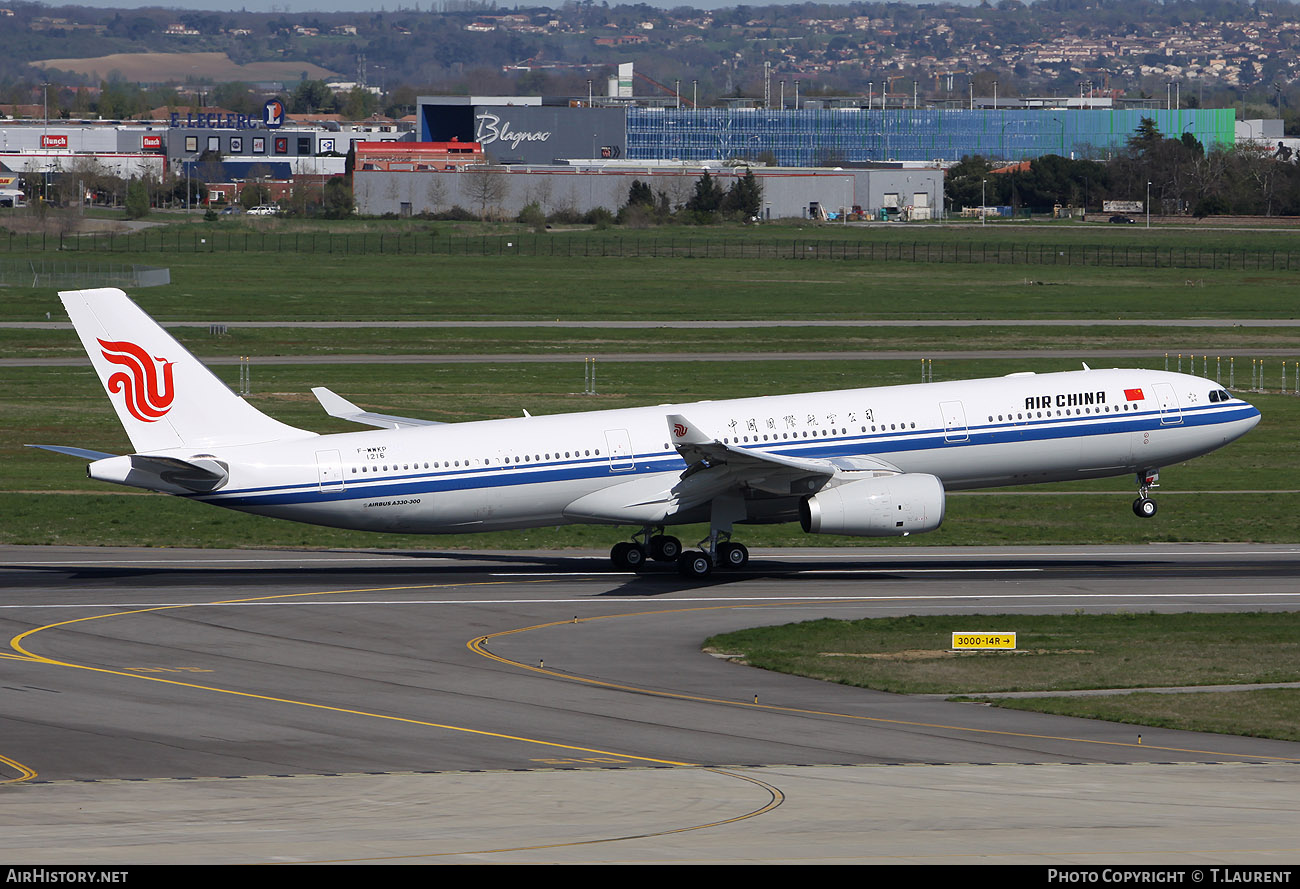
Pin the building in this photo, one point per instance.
(536, 130)
(787, 192)
(418, 157)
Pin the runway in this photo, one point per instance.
(244, 706)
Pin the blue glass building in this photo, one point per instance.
(817, 137)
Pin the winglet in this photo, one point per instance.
(684, 432)
(337, 406)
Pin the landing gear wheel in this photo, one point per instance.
(694, 564)
(733, 555)
(627, 556)
(1144, 507)
(665, 549)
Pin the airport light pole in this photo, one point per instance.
(984, 204)
(1148, 204)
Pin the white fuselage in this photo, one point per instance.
(524, 472)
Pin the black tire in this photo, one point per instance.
(635, 557)
(694, 564)
(665, 549)
(733, 555)
(1144, 507)
(620, 555)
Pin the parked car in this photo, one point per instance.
(232, 210)
(1122, 219)
(263, 210)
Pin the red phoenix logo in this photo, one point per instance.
(679, 430)
(147, 398)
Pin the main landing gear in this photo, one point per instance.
(654, 544)
(715, 551)
(1144, 507)
(700, 563)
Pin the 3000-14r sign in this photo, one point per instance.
(969, 641)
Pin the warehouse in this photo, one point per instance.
(787, 192)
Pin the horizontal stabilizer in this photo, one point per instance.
(337, 406)
(197, 475)
(74, 452)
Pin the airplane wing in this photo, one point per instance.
(714, 470)
(337, 406)
(759, 468)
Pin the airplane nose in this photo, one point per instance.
(1238, 428)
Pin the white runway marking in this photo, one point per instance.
(668, 603)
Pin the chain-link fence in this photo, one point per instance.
(78, 274)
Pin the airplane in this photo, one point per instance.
(871, 462)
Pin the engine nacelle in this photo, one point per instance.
(886, 506)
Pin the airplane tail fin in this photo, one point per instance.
(164, 396)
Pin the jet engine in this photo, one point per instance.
(884, 506)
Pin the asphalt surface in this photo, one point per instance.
(174, 705)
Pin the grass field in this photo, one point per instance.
(306, 286)
(1047, 342)
(220, 287)
(1060, 652)
(64, 405)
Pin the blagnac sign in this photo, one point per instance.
(490, 128)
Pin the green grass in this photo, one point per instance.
(1262, 713)
(1056, 652)
(267, 286)
(265, 343)
(1184, 234)
(909, 655)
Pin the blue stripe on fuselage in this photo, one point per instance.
(875, 444)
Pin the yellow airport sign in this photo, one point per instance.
(980, 641)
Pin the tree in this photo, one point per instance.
(311, 96)
(706, 200)
(744, 198)
(640, 194)
(487, 188)
(254, 194)
(137, 199)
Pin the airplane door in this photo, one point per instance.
(1170, 413)
(620, 450)
(329, 469)
(954, 421)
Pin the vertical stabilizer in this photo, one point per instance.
(164, 396)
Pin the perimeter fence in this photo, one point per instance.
(79, 273)
(650, 246)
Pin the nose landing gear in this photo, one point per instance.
(1144, 507)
